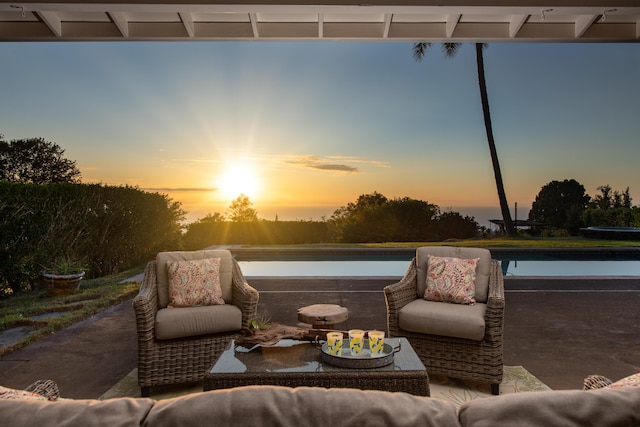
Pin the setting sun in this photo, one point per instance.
(238, 180)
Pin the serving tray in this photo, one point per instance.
(364, 361)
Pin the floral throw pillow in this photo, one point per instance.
(9, 393)
(194, 283)
(451, 280)
(630, 381)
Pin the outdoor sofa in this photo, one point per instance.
(282, 406)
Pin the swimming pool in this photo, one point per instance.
(398, 268)
(393, 262)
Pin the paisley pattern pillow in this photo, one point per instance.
(194, 283)
(451, 280)
(9, 393)
(630, 381)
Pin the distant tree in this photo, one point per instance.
(411, 220)
(212, 218)
(209, 230)
(452, 225)
(374, 218)
(37, 161)
(355, 222)
(608, 198)
(561, 204)
(611, 208)
(241, 210)
(450, 50)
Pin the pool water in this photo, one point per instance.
(398, 268)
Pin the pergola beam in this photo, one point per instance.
(52, 21)
(452, 23)
(187, 21)
(516, 23)
(583, 23)
(121, 22)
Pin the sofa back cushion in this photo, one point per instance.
(162, 276)
(303, 406)
(569, 408)
(72, 413)
(482, 272)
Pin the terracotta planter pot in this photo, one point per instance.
(58, 284)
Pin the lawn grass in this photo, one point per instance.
(522, 242)
(94, 296)
(501, 242)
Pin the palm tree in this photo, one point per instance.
(450, 49)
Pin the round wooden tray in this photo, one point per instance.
(364, 361)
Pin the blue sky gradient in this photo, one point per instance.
(321, 123)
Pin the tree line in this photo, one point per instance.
(46, 214)
(372, 218)
(565, 207)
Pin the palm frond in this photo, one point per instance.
(450, 49)
(419, 50)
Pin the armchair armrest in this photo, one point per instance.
(496, 286)
(398, 295)
(245, 297)
(494, 316)
(594, 382)
(145, 304)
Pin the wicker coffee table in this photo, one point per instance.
(293, 363)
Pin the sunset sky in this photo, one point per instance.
(311, 126)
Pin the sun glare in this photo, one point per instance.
(239, 180)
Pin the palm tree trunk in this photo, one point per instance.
(504, 206)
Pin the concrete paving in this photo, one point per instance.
(560, 330)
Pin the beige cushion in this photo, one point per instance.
(303, 406)
(567, 408)
(226, 270)
(191, 321)
(73, 413)
(482, 272)
(444, 319)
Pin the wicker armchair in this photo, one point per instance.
(452, 351)
(196, 336)
(594, 382)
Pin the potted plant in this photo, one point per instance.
(63, 277)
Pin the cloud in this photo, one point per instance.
(182, 189)
(330, 164)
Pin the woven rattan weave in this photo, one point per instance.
(182, 360)
(480, 361)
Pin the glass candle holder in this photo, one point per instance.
(334, 343)
(356, 341)
(376, 342)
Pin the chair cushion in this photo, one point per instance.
(191, 321)
(482, 271)
(451, 280)
(162, 275)
(194, 282)
(444, 319)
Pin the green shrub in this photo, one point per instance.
(105, 228)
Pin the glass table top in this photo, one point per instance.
(302, 356)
